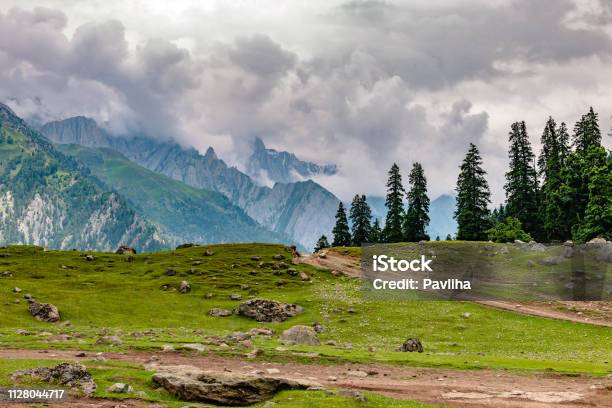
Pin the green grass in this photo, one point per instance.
(113, 295)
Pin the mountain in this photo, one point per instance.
(271, 166)
(289, 209)
(187, 213)
(49, 199)
(441, 212)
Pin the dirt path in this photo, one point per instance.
(454, 388)
(596, 313)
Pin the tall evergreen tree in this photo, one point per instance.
(473, 197)
(360, 216)
(416, 219)
(449, 237)
(522, 182)
(597, 220)
(342, 235)
(322, 243)
(577, 171)
(550, 165)
(375, 232)
(395, 211)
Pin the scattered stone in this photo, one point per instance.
(530, 263)
(6, 274)
(551, 260)
(292, 271)
(278, 257)
(358, 395)
(567, 252)
(256, 258)
(194, 385)
(255, 353)
(109, 340)
(170, 272)
(218, 312)
(120, 388)
(264, 310)
(45, 312)
(568, 243)
(322, 255)
(597, 241)
(332, 378)
(411, 344)
(318, 327)
(301, 335)
(80, 354)
(261, 331)
(208, 252)
(535, 246)
(167, 347)
(244, 287)
(304, 276)
(209, 295)
(184, 287)
(504, 250)
(357, 373)
(252, 273)
(194, 346)
(466, 315)
(16, 290)
(125, 250)
(23, 332)
(236, 296)
(331, 343)
(28, 296)
(336, 273)
(518, 241)
(66, 374)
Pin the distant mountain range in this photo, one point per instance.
(186, 213)
(302, 211)
(268, 166)
(49, 199)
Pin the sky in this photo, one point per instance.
(361, 84)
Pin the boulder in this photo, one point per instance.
(537, 247)
(218, 312)
(125, 250)
(411, 344)
(208, 252)
(170, 272)
(264, 310)
(518, 241)
(236, 296)
(551, 260)
(89, 258)
(301, 335)
(109, 340)
(597, 241)
(278, 257)
(292, 271)
(45, 312)
(120, 388)
(65, 374)
(504, 250)
(256, 258)
(184, 287)
(193, 385)
(304, 276)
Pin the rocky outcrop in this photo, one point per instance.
(193, 385)
(45, 312)
(301, 335)
(65, 374)
(125, 250)
(264, 310)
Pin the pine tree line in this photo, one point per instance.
(566, 193)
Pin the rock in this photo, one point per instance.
(209, 295)
(411, 344)
(109, 340)
(194, 346)
(28, 296)
(318, 327)
(255, 353)
(336, 273)
(357, 373)
(208, 252)
(504, 250)
(358, 395)
(567, 251)
(301, 335)
(89, 258)
(193, 385)
(292, 271)
(530, 263)
(125, 250)
(256, 258)
(322, 255)
(518, 241)
(16, 290)
(466, 315)
(45, 312)
(66, 374)
(264, 310)
(597, 241)
(304, 277)
(120, 388)
(332, 378)
(537, 247)
(244, 287)
(184, 287)
(331, 343)
(235, 296)
(170, 272)
(278, 257)
(568, 243)
(218, 312)
(261, 331)
(551, 260)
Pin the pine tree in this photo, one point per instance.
(395, 211)
(360, 216)
(552, 158)
(375, 232)
(449, 237)
(437, 237)
(522, 182)
(598, 214)
(574, 193)
(342, 235)
(416, 219)
(473, 197)
(322, 243)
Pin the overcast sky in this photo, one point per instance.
(357, 83)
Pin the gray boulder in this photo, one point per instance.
(120, 388)
(264, 310)
(193, 385)
(301, 335)
(184, 287)
(218, 312)
(411, 344)
(109, 340)
(45, 312)
(65, 374)
(125, 250)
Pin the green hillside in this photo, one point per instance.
(189, 214)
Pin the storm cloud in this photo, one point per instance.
(361, 84)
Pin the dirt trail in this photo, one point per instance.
(596, 313)
(455, 388)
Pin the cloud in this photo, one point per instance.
(362, 83)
